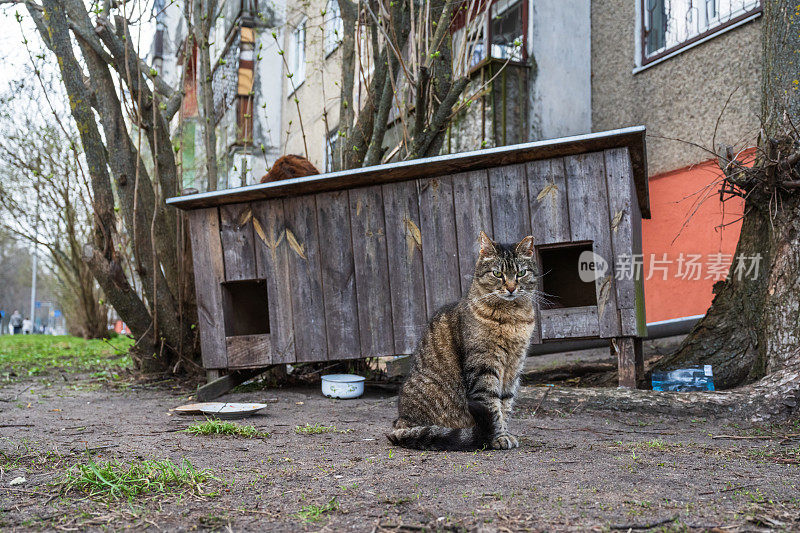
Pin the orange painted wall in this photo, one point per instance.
(687, 216)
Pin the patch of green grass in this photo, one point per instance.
(313, 513)
(221, 427)
(115, 480)
(314, 429)
(38, 354)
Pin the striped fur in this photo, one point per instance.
(466, 368)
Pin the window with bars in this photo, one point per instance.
(669, 25)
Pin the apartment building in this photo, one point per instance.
(247, 88)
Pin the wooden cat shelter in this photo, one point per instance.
(352, 264)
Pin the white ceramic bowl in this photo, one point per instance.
(342, 385)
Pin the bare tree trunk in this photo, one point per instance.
(349, 11)
(204, 11)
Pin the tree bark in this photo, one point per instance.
(204, 19)
(52, 23)
(349, 11)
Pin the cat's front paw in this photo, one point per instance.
(505, 441)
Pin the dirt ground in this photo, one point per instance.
(575, 470)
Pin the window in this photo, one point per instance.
(333, 26)
(244, 119)
(507, 30)
(499, 32)
(670, 25)
(330, 150)
(298, 63)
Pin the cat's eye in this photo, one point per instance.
(497, 274)
(522, 273)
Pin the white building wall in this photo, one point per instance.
(559, 34)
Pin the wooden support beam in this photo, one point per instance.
(218, 387)
(638, 354)
(624, 349)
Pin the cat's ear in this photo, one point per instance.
(525, 247)
(487, 245)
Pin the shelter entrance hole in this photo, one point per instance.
(245, 307)
(561, 280)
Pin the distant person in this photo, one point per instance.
(288, 167)
(16, 322)
(27, 326)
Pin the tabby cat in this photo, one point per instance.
(467, 365)
(289, 166)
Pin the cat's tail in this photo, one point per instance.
(444, 438)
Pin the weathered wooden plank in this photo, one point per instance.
(338, 275)
(372, 271)
(249, 351)
(209, 272)
(437, 166)
(569, 322)
(549, 204)
(471, 195)
(625, 350)
(406, 280)
(508, 188)
(236, 233)
(308, 308)
(638, 355)
(619, 180)
(636, 238)
(272, 264)
(218, 387)
(439, 243)
(628, 322)
(588, 220)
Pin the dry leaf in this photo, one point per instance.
(271, 243)
(358, 207)
(413, 230)
(617, 219)
(245, 217)
(550, 188)
(605, 287)
(260, 231)
(413, 236)
(296, 246)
